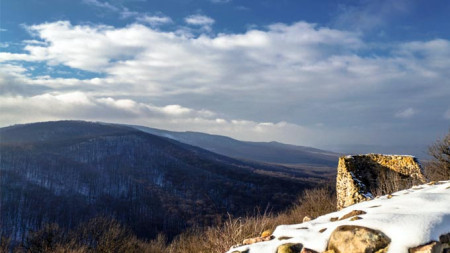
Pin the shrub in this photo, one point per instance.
(107, 235)
(4, 243)
(44, 240)
(219, 239)
(439, 166)
(314, 203)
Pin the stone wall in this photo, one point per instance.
(362, 177)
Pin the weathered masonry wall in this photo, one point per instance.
(362, 177)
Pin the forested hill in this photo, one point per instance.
(70, 171)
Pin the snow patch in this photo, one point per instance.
(409, 218)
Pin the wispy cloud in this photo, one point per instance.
(220, 1)
(155, 20)
(406, 114)
(123, 11)
(102, 4)
(364, 15)
(198, 19)
(127, 13)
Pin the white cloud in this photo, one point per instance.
(56, 104)
(100, 4)
(6, 56)
(175, 109)
(200, 20)
(84, 47)
(154, 20)
(79, 105)
(405, 114)
(244, 84)
(435, 53)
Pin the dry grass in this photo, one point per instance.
(103, 235)
(219, 239)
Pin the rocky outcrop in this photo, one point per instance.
(361, 177)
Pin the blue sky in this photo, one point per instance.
(351, 76)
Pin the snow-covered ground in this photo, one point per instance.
(409, 218)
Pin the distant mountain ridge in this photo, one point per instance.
(70, 171)
(302, 158)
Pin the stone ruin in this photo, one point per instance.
(363, 177)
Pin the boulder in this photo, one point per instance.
(266, 233)
(356, 239)
(237, 251)
(290, 248)
(432, 247)
(361, 177)
(443, 246)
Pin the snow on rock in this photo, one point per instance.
(409, 218)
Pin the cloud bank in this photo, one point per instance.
(298, 83)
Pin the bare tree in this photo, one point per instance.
(439, 167)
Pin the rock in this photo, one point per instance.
(305, 250)
(432, 247)
(352, 213)
(257, 239)
(290, 248)
(356, 239)
(266, 233)
(362, 177)
(307, 218)
(445, 238)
